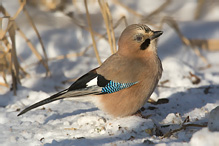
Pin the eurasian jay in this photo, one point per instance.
(125, 81)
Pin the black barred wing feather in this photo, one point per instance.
(93, 83)
(90, 83)
(112, 87)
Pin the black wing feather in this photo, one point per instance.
(101, 81)
(45, 101)
(78, 88)
(81, 83)
(83, 80)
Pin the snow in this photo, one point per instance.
(67, 122)
(204, 137)
(213, 122)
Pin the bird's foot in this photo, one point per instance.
(139, 114)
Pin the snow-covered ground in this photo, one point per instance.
(68, 122)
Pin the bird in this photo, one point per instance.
(124, 82)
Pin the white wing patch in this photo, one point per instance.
(92, 82)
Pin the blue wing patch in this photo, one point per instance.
(112, 87)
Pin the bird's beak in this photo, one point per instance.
(156, 34)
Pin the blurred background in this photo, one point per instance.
(37, 34)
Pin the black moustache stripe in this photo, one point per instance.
(145, 44)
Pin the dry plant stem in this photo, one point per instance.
(172, 23)
(210, 45)
(22, 4)
(168, 134)
(199, 8)
(4, 32)
(117, 24)
(3, 67)
(8, 45)
(91, 32)
(11, 55)
(114, 27)
(106, 21)
(158, 10)
(41, 42)
(70, 55)
(6, 42)
(81, 26)
(119, 21)
(3, 61)
(111, 28)
(198, 53)
(123, 18)
(4, 84)
(1, 30)
(33, 49)
(8, 53)
(89, 46)
(127, 8)
(85, 28)
(14, 62)
(74, 2)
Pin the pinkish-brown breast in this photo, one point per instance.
(127, 101)
(146, 72)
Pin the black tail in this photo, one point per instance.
(45, 101)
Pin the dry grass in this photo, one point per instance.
(107, 17)
(41, 43)
(183, 127)
(199, 8)
(9, 62)
(91, 33)
(117, 2)
(172, 23)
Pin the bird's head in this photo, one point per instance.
(138, 38)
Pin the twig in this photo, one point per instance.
(168, 134)
(119, 21)
(111, 28)
(41, 42)
(158, 10)
(199, 8)
(91, 32)
(14, 66)
(33, 49)
(85, 28)
(172, 23)
(106, 17)
(22, 4)
(127, 8)
(210, 44)
(70, 55)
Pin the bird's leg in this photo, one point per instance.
(139, 114)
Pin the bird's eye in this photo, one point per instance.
(147, 30)
(139, 38)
